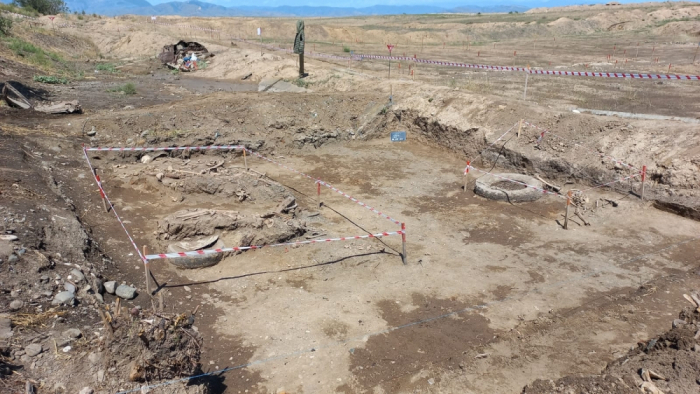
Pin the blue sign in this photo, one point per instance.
(398, 136)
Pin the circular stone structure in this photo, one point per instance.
(497, 188)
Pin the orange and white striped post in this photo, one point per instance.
(102, 193)
(644, 178)
(318, 193)
(466, 175)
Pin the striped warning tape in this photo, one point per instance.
(195, 148)
(104, 195)
(503, 68)
(539, 72)
(242, 248)
(602, 155)
(616, 181)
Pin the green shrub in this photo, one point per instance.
(346, 49)
(32, 53)
(18, 10)
(5, 26)
(128, 88)
(109, 67)
(50, 79)
(46, 7)
(301, 83)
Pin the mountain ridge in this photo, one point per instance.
(205, 9)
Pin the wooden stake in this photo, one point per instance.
(696, 53)
(318, 193)
(403, 241)
(566, 215)
(520, 125)
(148, 272)
(245, 159)
(525, 91)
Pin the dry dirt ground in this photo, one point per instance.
(493, 295)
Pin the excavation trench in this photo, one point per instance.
(557, 161)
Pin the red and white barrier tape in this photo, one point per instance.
(545, 131)
(104, 195)
(505, 68)
(328, 186)
(616, 181)
(195, 148)
(242, 248)
(494, 142)
(539, 72)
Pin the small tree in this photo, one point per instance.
(46, 7)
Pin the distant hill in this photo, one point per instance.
(200, 8)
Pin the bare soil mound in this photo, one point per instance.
(674, 356)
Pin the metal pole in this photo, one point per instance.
(403, 240)
(148, 272)
(566, 215)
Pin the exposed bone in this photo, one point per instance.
(554, 187)
(581, 217)
(690, 299)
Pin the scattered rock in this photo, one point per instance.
(8, 237)
(99, 286)
(678, 322)
(72, 333)
(146, 159)
(64, 297)
(33, 349)
(110, 287)
(77, 275)
(92, 132)
(126, 292)
(69, 287)
(86, 390)
(136, 372)
(99, 298)
(101, 375)
(5, 328)
(159, 176)
(16, 305)
(12, 258)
